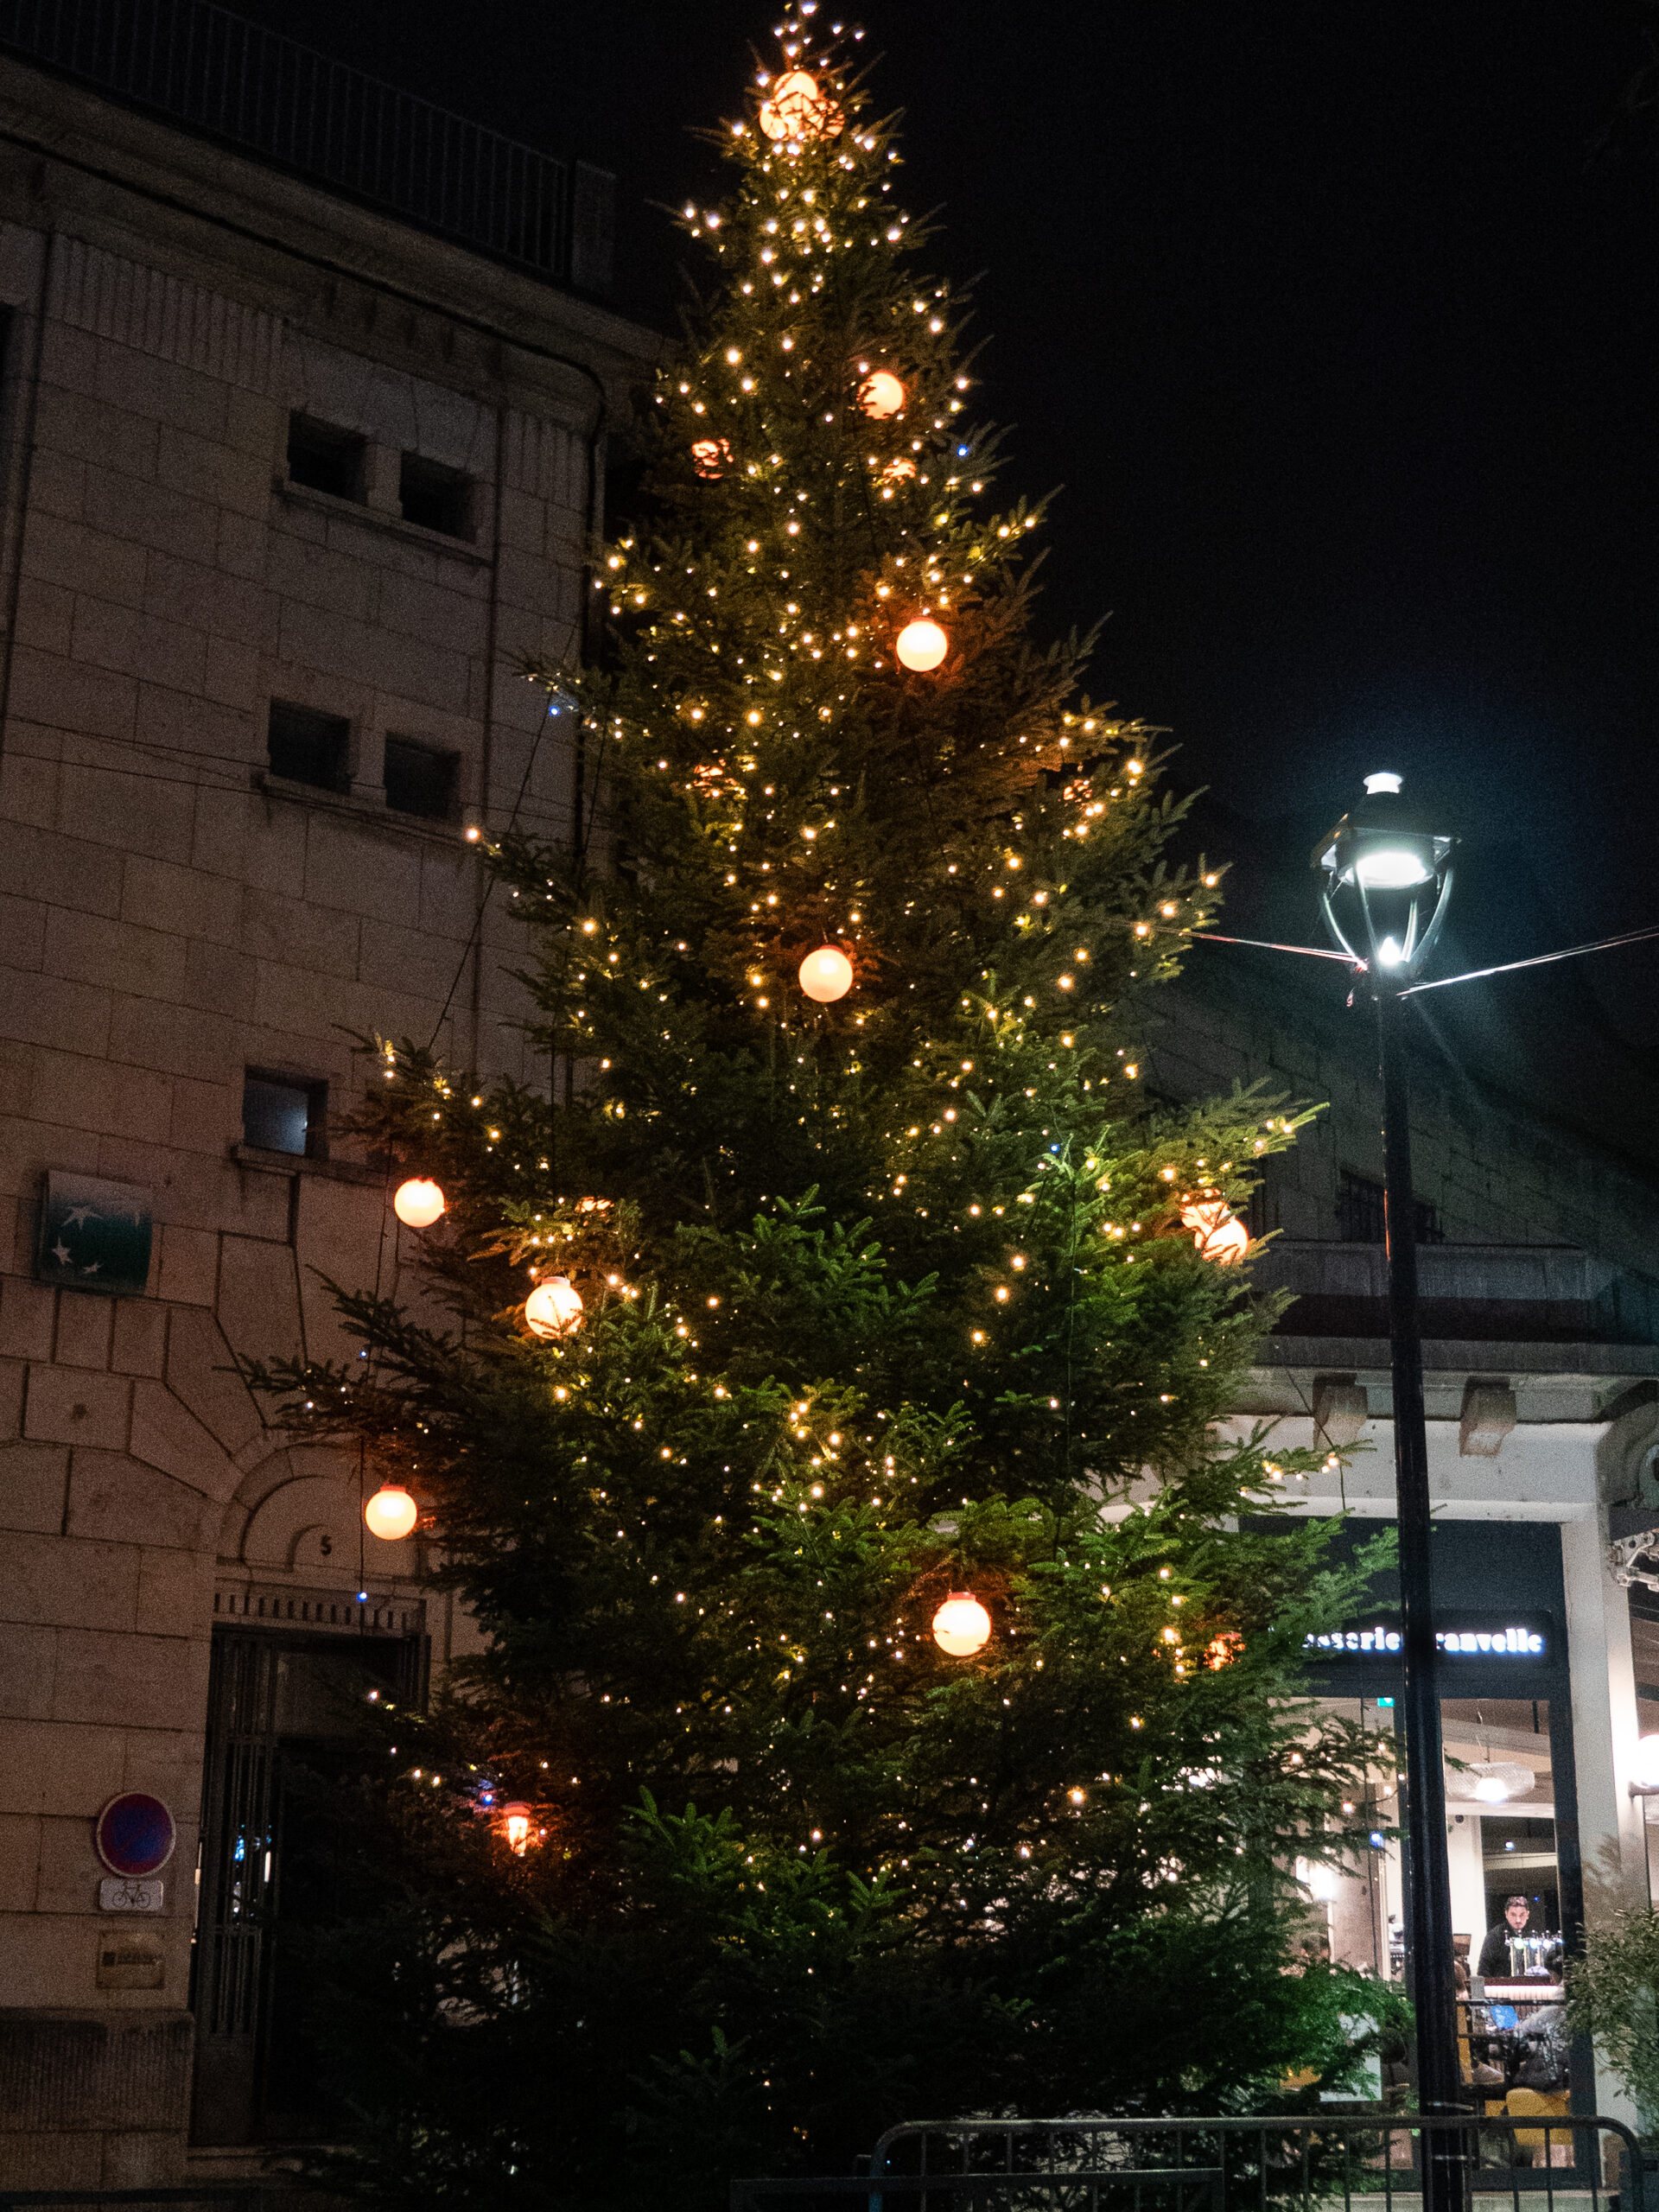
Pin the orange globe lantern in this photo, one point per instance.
(1216, 1230)
(795, 108)
(711, 457)
(391, 1513)
(512, 1823)
(826, 975)
(418, 1202)
(922, 647)
(961, 1625)
(554, 1308)
(881, 394)
(901, 470)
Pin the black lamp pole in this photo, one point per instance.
(1433, 1977)
(1398, 866)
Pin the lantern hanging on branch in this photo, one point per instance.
(418, 1202)
(826, 975)
(922, 645)
(881, 394)
(512, 1822)
(796, 108)
(1216, 1230)
(961, 1625)
(391, 1513)
(554, 1308)
(711, 457)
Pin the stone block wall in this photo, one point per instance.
(172, 914)
(1492, 1175)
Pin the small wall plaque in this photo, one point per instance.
(132, 1960)
(115, 1894)
(94, 1234)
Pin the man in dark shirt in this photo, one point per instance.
(1495, 1951)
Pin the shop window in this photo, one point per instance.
(325, 458)
(307, 747)
(435, 496)
(420, 779)
(1507, 1915)
(1361, 1213)
(281, 1115)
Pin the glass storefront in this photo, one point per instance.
(1511, 1831)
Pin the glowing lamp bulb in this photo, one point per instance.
(922, 647)
(1217, 1230)
(391, 1513)
(1644, 1766)
(961, 1625)
(513, 1820)
(1391, 867)
(826, 975)
(418, 1202)
(1492, 1791)
(881, 394)
(553, 1308)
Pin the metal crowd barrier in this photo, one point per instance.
(1352, 2162)
(248, 2195)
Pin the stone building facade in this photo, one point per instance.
(1540, 1312)
(291, 486)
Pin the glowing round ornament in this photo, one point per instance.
(961, 1625)
(922, 647)
(795, 108)
(711, 457)
(391, 1513)
(418, 1202)
(900, 471)
(826, 975)
(1216, 1230)
(512, 1824)
(553, 1308)
(880, 395)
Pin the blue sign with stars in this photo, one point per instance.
(94, 1235)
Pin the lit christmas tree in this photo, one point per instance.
(834, 1441)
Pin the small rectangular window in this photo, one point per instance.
(435, 496)
(420, 779)
(1362, 1214)
(279, 1115)
(307, 748)
(325, 458)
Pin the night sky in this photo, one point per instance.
(1339, 327)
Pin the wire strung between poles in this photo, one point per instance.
(1262, 944)
(1538, 960)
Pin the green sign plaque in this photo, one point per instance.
(94, 1235)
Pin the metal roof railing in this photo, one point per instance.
(227, 79)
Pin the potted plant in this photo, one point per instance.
(1612, 1996)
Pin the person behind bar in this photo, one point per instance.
(1495, 1951)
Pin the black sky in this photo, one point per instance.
(1343, 340)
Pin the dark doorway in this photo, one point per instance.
(284, 1718)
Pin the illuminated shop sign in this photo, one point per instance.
(1511, 1642)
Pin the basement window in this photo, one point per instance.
(435, 496)
(420, 779)
(280, 1114)
(307, 747)
(325, 458)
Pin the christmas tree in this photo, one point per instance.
(891, 1669)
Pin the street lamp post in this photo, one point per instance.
(1389, 865)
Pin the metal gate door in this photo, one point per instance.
(275, 1702)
